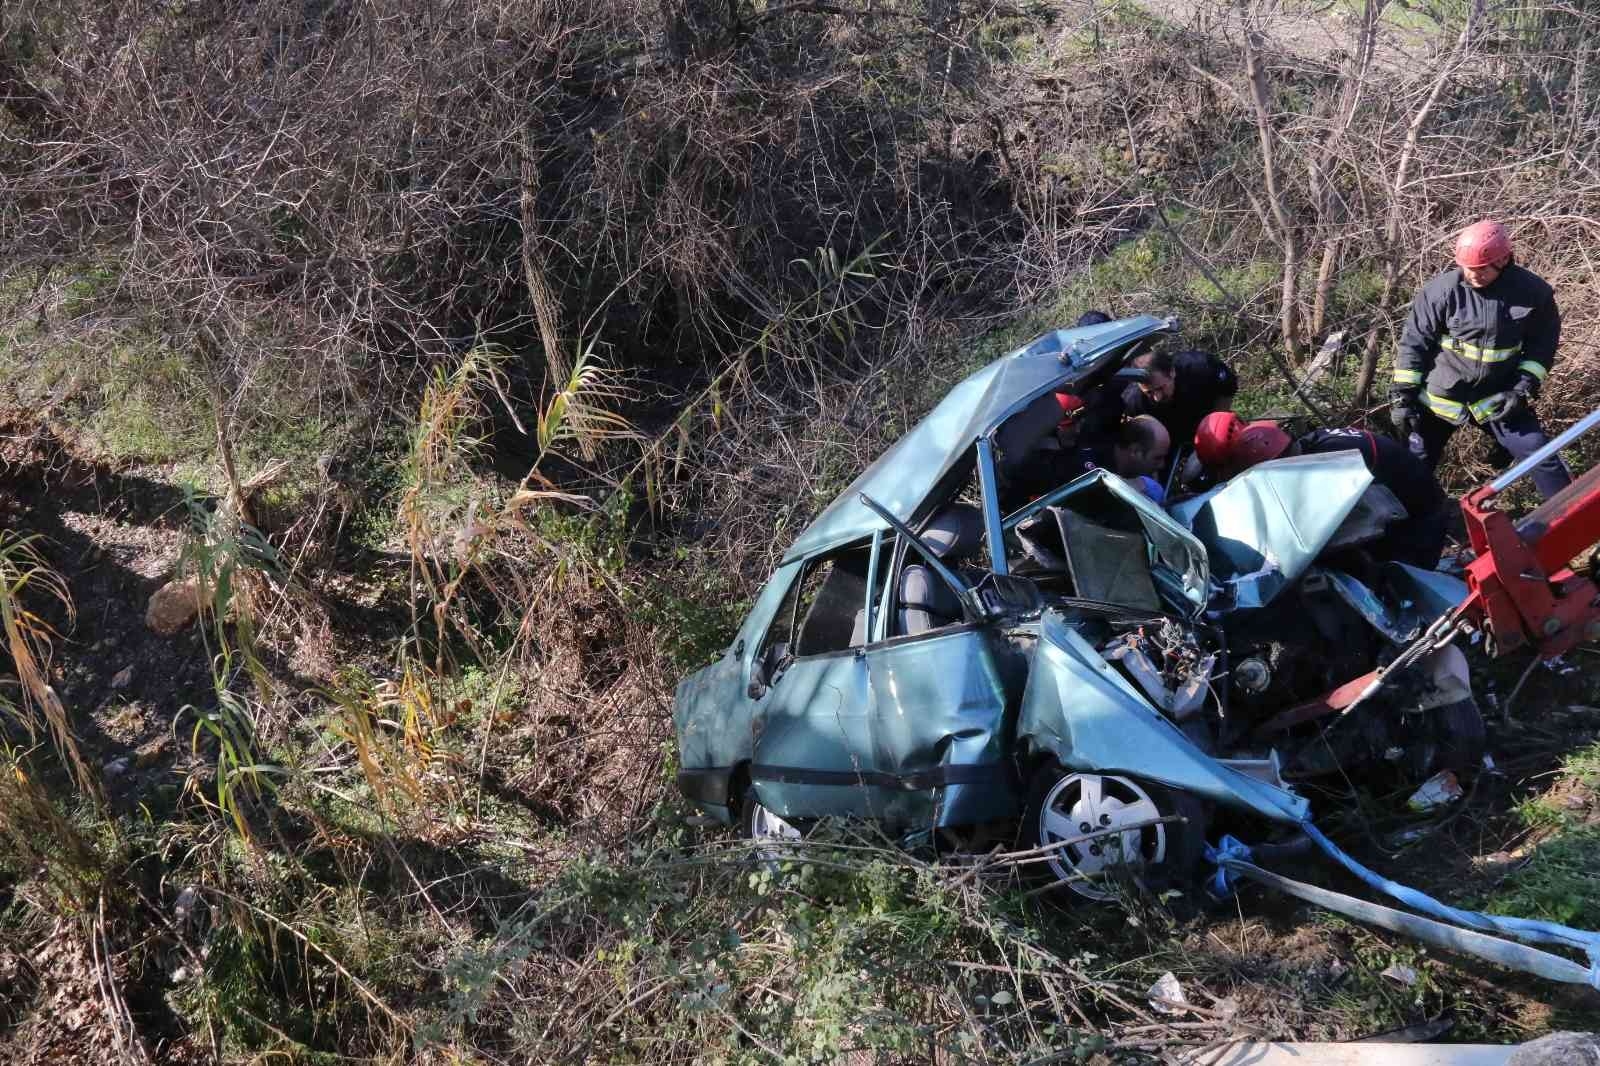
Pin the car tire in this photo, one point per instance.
(774, 836)
(1060, 802)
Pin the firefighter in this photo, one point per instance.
(1033, 460)
(1228, 446)
(1477, 345)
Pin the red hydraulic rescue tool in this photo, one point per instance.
(1521, 589)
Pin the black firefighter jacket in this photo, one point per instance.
(1470, 344)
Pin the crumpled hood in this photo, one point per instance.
(1080, 709)
(1265, 527)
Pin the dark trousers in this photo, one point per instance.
(1517, 433)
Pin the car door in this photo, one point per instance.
(813, 752)
(938, 713)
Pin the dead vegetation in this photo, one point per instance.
(507, 343)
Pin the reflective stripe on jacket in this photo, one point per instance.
(1468, 344)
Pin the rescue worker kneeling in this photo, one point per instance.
(1227, 445)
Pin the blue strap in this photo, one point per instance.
(1229, 852)
(1496, 949)
(1526, 929)
(1228, 848)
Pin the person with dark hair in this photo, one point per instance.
(1182, 388)
(1477, 345)
(1229, 446)
(1092, 318)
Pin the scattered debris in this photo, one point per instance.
(123, 678)
(1253, 1054)
(1400, 974)
(1327, 358)
(173, 606)
(1166, 995)
(1439, 790)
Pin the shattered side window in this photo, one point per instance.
(826, 610)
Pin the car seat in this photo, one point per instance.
(926, 600)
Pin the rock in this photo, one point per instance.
(151, 751)
(123, 679)
(1558, 1049)
(1400, 974)
(173, 606)
(184, 906)
(116, 767)
(1166, 995)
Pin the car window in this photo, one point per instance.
(826, 609)
(923, 600)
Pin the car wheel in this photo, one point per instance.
(1064, 805)
(772, 834)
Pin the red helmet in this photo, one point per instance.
(1071, 408)
(1256, 443)
(1483, 244)
(1213, 441)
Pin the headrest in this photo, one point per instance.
(954, 532)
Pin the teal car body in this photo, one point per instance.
(826, 703)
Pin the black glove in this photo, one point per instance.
(1502, 404)
(1527, 387)
(1405, 412)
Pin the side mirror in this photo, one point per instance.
(1002, 594)
(764, 672)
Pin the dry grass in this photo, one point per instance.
(633, 347)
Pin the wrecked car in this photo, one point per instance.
(1088, 672)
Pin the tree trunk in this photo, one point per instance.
(1326, 272)
(1289, 296)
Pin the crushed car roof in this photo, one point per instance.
(903, 476)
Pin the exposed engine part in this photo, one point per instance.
(1180, 683)
(1252, 675)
